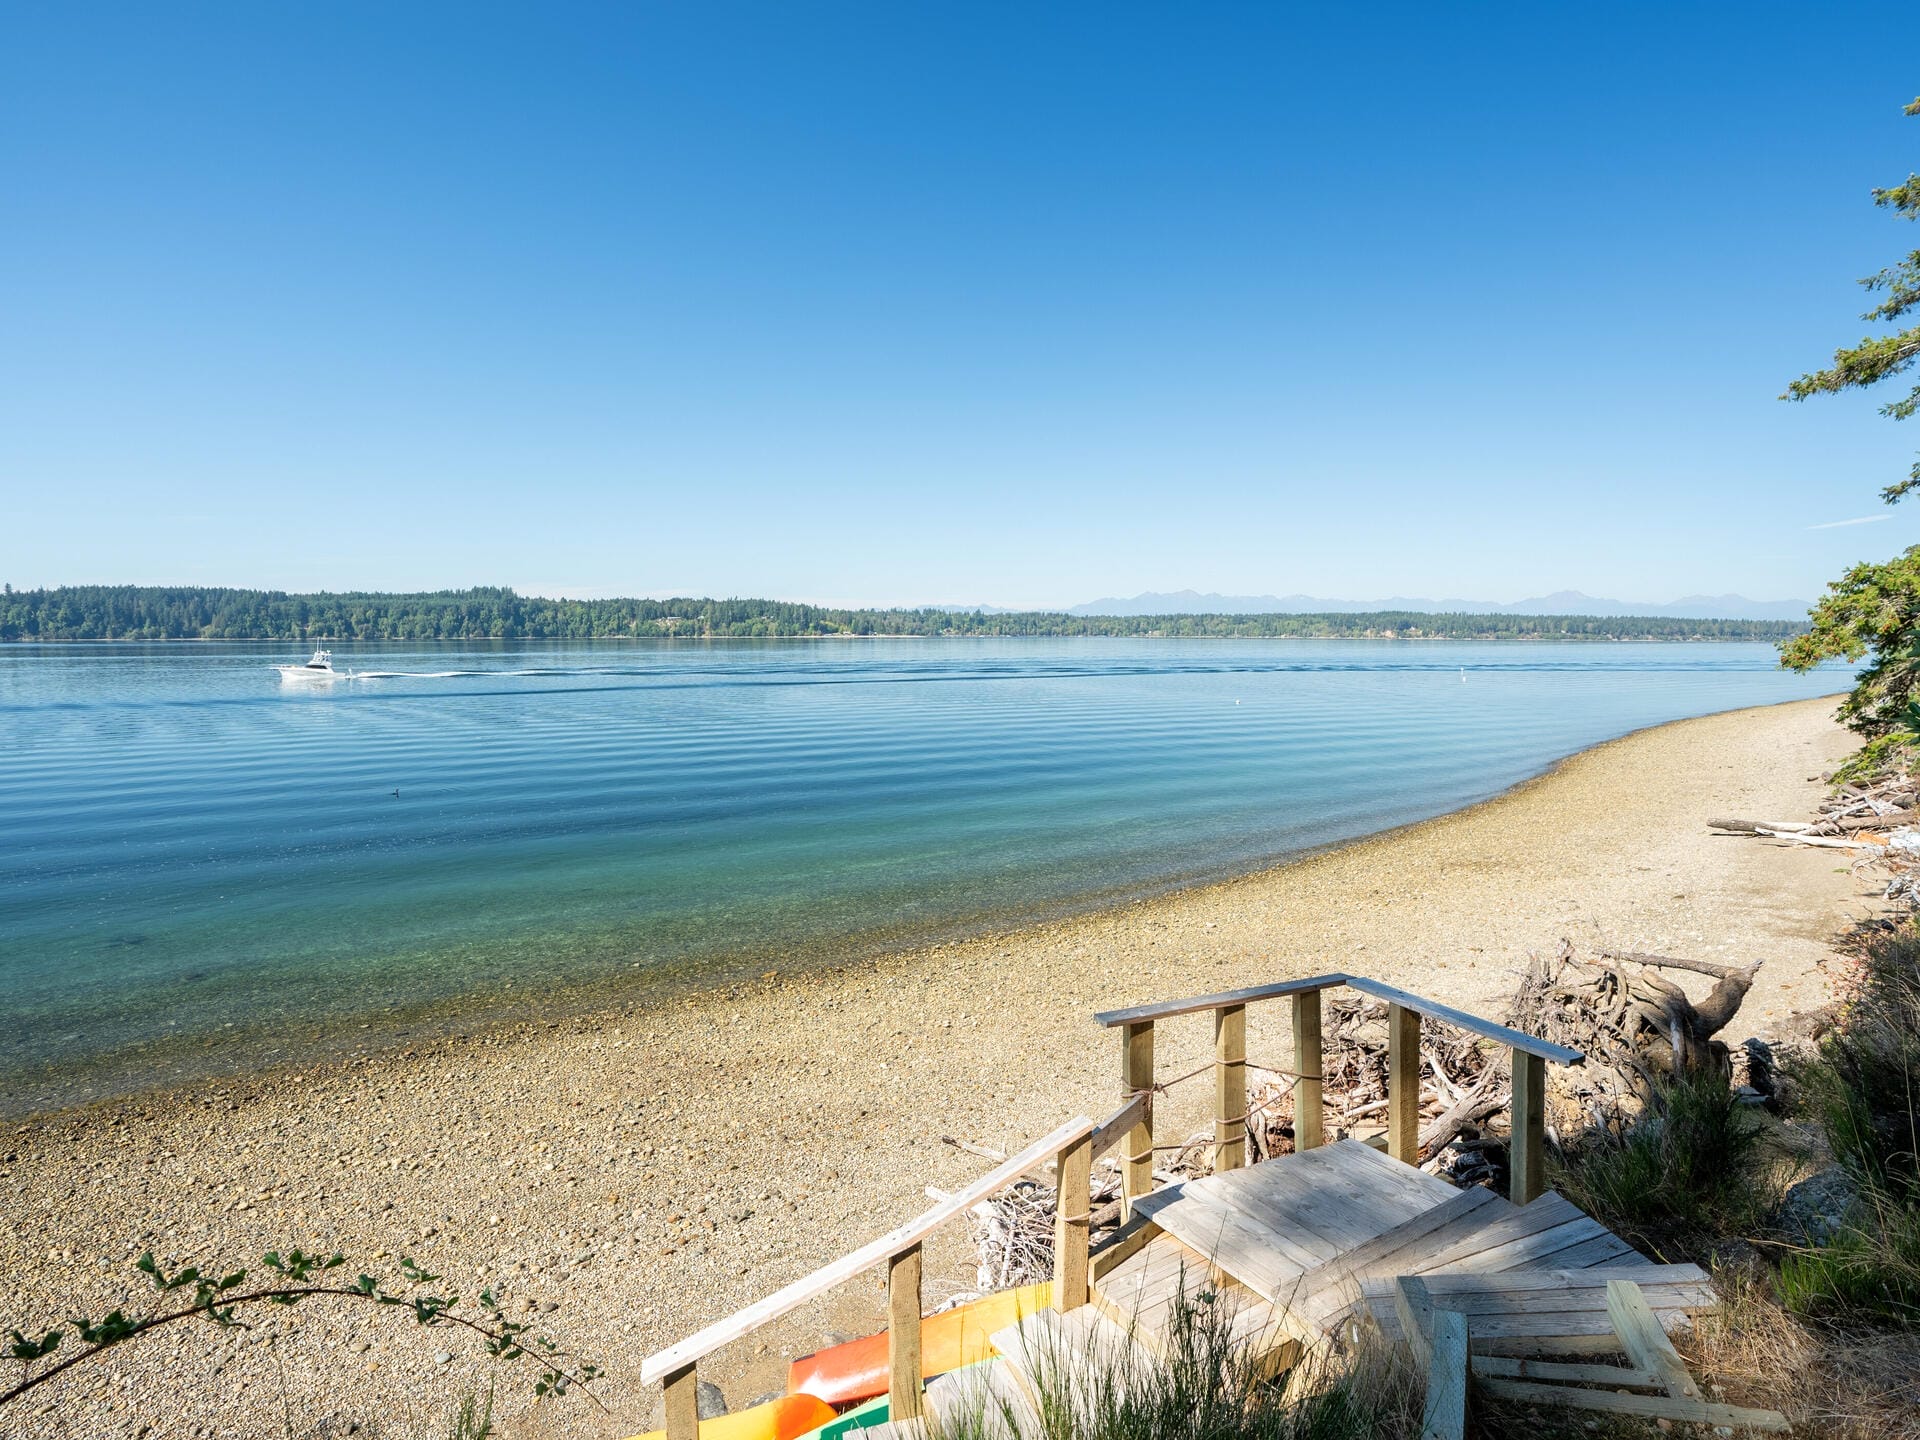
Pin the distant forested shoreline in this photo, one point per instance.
(135, 612)
(190, 612)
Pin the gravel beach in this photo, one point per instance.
(625, 1178)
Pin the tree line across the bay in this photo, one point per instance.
(148, 612)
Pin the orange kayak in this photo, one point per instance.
(857, 1370)
(784, 1419)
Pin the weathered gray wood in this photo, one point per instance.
(1516, 1039)
(742, 1322)
(1334, 1279)
(1521, 1367)
(1646, 1339)
(1666, 1407)
(1415, 1313)
(1195, 1004)
(1549, 1211)
(1309, 1089)
(1528, 1158)
(1460, 1282)
(1445, 1415)
(1229, 1240)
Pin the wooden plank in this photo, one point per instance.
(1297, 1244)
(1369, 1167)
(1230, 1241)
(1403, 1084)
(1414, 1310)
(1555, 1326)
(1327, 1294)
(742, 1322)
(1545, 1213)
(1295, 1196)
(682, 1396)
(1606, 1249)
(1646, 1340)
(1536, 1249)
(1112, 1130)
(1197, 1003)
(985, 1400)
(1528, 1150)
(1359, 1261)
(1072, 1225)
(1517, 1039)
(1510, 1282)
(1132, 1236)
(1229, 1088)
(1522, 1367)
(1657, 1407)
(1445, 1415)
(1309, 1089)
(1136, 1077)
(1560, 1302)
(904, 1381)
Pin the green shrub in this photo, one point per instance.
(1206, 1386)
(1683, 1175)
(1864, 1088)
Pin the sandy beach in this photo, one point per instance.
(644, 1171)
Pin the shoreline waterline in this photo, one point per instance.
(651, 1169)
(485, 1016)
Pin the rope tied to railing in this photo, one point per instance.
(1161, 1087)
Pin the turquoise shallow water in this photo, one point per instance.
(201, 868)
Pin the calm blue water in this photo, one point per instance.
(201, 867)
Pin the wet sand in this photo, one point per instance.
(646, 1170)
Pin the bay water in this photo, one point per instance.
(204, 868)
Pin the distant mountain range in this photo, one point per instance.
(1561, 602)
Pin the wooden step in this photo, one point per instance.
(1328, 1291)
(1549, 1312)
(1072, 1357)
(1140, 1294)
(986, 1399)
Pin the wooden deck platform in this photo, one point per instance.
(1304, 1244)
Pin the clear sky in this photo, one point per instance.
(903, 303)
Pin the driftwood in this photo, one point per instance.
(1636, 1027)
(1877, 821)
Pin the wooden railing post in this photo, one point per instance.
(1309, 1102)
(1527, 1157)
(903, 1334)
(1403, 1084)
(1229, 1087)
(1072, 1224)
(682, 1393)
(1136, 1074)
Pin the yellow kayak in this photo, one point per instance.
(857, 1370)
(784, 1419)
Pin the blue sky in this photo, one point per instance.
(895, 304)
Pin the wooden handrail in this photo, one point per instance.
(1514, 1039)
(1517, 1039)
(1214, 1002)
(742, 1322)
(1110, 1131)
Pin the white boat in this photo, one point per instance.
(320, 667)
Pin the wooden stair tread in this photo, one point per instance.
(990, 1390)
(1062, 1355)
